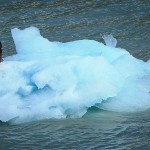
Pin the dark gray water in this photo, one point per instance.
(67, 20)
(96, 130)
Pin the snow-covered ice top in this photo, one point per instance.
(58, 80)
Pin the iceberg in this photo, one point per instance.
(59, 80)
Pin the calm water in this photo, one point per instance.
(96, 130)
(67, 20)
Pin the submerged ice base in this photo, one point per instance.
(58, 80)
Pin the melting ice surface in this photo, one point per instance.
(57, 80)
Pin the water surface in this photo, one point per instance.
(96, 130)
(67, 20)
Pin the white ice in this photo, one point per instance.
(58, 80)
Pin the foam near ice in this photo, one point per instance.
(58, 80)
